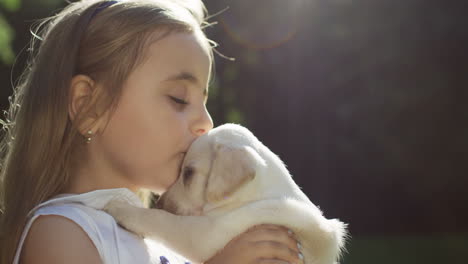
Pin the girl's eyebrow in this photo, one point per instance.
(186, 76)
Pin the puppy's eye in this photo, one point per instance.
(188, 174)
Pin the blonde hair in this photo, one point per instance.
(40, 144)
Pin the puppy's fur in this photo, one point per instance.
(230, 182)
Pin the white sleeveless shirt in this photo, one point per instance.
(114, 244)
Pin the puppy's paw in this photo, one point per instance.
(115, 205)
(122, 212)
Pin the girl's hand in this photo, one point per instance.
(262, 244)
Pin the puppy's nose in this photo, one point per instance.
(159, 203)
(167, 205)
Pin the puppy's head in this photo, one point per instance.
(216, 166)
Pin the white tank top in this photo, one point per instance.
(114, 244)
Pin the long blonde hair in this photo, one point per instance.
(40, 144)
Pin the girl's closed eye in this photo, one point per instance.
(178, 101)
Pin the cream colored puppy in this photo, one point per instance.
(230, 182)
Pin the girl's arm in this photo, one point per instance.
(56, 239)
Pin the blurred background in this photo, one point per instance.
(364, 100)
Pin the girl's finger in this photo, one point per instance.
(277, 251)
(275, 234)
(272, 261)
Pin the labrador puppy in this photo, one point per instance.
(230, 182)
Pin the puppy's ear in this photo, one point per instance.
(232, 167)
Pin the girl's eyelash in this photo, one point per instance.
(178, 100)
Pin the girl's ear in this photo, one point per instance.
(232, 167)
(82, 91)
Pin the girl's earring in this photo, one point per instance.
(88, 138)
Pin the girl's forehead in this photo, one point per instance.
(179, 52)
(195, 36)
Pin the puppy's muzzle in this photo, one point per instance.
(171, 207)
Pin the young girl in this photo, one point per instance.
(109, 103)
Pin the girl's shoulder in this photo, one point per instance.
(78, 217)
(56, 239)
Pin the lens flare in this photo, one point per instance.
(262, 24)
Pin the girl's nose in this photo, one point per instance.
(200, 131)
(204, 124)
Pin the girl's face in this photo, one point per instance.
(160, 113)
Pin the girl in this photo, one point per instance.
(109, 104)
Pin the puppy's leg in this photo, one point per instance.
(132, 218)
(183, 234)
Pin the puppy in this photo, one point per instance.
(230, 182)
